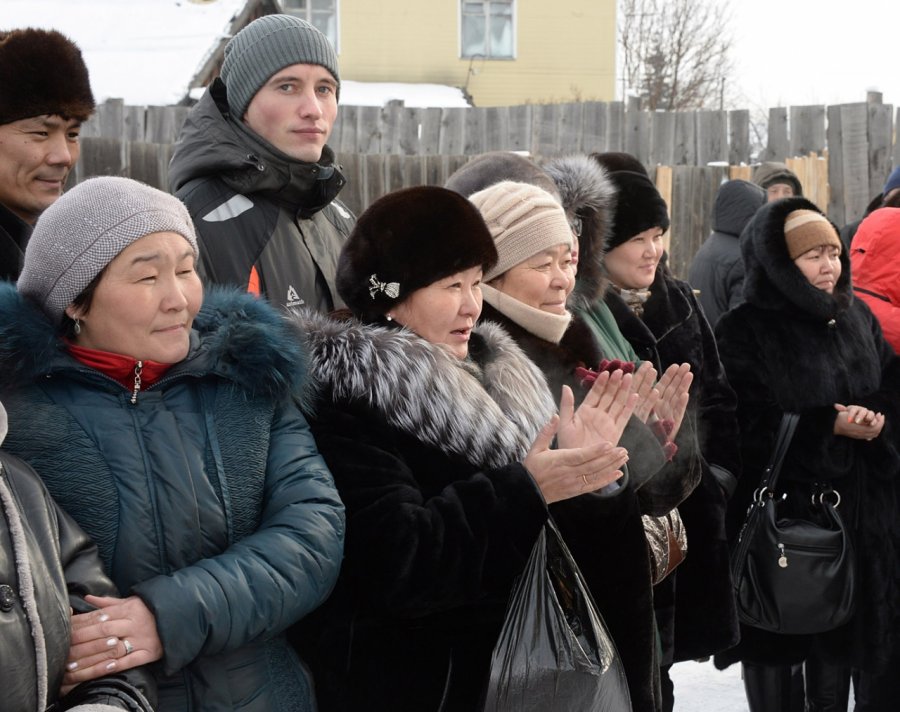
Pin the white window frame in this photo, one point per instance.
(514, 22)
(308, 18)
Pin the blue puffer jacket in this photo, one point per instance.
(206, 496)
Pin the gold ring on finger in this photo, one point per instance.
(584, 477)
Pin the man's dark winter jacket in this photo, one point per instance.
(672, 330)
(14, 234)
(206, 495)
(793, 348)
(266, 223)
(717, 270)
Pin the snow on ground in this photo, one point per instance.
(699, 687)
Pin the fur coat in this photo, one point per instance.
(618, 575)
(701, 618)
(793, 348)
(426, 452)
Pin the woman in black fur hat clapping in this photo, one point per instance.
(435, 429)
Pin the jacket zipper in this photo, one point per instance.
(138, 369)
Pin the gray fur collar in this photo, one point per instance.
(486, 410)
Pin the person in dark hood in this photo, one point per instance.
(253, 166)
(45, 96)
(167, 423)
(802, 343)
(48, 564)
(717, 271)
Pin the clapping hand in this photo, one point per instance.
(602, 415)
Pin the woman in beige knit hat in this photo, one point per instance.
(527, 293)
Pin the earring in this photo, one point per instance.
(388, 317)
(77, 328)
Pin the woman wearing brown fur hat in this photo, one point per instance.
(436, 430)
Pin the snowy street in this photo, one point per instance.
(699, 687)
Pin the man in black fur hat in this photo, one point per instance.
(45, 96)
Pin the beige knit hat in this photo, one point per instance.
(523, 220)
(806, 229)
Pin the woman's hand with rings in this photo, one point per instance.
(119, 635)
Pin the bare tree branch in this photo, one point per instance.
(675, 54)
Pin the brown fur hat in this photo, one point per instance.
(406, 240)
(42, 72)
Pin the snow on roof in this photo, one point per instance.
(147, 51)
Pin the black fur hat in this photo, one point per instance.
(42, 72)
(406, 240)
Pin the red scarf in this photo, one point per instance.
(118, 367)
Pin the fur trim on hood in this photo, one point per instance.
(486, 410)
(588, 194)
(772, 280)
(235, 336)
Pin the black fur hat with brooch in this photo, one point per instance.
(406, 240)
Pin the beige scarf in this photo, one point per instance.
(547, 326)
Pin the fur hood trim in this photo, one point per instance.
(587, 193)
(772, 280)
(236, 336)
(486, 410)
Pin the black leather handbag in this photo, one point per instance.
(793, 571)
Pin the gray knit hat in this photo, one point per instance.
(263, 47)
(523, 220)
(82, 232)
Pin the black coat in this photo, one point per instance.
(672, 330)
(793, 348)
(14, 234)
(717, 270)
(441, 516)
(612, 551)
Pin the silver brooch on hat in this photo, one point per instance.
(391, 289)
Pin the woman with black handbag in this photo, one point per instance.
(802, 344)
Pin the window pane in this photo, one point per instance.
(320, 5)
(473, 36)
(501, 37)
(295, 7)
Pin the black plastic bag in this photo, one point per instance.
(554, 653)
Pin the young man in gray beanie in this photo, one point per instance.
(253, 167)
(45, 96)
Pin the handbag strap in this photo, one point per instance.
(782, 442)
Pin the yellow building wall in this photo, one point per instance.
(565, 49)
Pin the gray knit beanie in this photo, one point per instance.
(82, 232)
(523, 219)
(263, 47)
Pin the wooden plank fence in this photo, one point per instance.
(842, 154)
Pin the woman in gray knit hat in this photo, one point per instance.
(167, 426)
